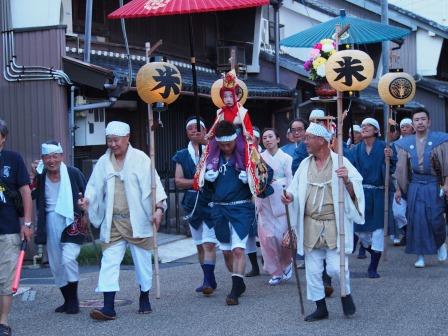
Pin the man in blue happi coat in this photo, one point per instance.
(233, 211)
(368, 157)
(195, 204)
(422, 175)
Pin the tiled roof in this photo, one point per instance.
(434, 85)
(370, 97)
(205, 76)
(287, 62)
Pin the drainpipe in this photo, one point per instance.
(128, 53)
(276, 4)
(88, 30)
(103, 104)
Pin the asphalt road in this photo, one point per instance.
(404, 301)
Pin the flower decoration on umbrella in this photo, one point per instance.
(319, 55)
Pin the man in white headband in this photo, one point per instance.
(233, 211)
(313, 196)
(406, 127)
(369, 158)
(195, 204)
(13, 179)
(118, 198)
(61, 224)
(357, 137)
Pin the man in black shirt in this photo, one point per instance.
(13, 177)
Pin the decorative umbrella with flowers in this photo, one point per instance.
(315, 65)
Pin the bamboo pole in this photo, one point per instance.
(293, 256)
(386, 186)
(153, 183)
(341, 185)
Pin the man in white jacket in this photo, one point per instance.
(313, 195)
(118, 198)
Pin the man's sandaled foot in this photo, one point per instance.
(207, 290)
(231, 300)
(144, 311)
(60, 309)
(5, 330)
(144, 306)
(99, 315)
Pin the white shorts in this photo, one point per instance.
(251, 245)
(203, 235)
(374, 239)
(235, 241)
(399, 211)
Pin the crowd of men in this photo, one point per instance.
(224, 214)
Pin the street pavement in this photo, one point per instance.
(404, 301)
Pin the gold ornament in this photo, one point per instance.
(349, 70)
(158, 82)
(396, 87)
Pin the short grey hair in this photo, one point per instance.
(3, 128)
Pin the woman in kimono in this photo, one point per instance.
(272, 222)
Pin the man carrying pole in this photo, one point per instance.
(314, 203)
(118, 199)
(369, 158)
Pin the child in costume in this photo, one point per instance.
(247, 159)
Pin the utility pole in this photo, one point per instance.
(385, 58)
(88, 30)
(276, 4)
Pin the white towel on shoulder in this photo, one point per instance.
(64, 203)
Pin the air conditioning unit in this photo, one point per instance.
(265, 31)
(90, 126)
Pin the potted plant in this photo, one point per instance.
(315, 65)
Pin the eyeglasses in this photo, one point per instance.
(297, 130)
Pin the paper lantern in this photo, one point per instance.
(396, 87)
(241, 95)
(158, 82)
(349, 70)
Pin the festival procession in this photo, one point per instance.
(223, 167)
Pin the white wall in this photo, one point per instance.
(428, 52)
(297, 18)
(35, 13)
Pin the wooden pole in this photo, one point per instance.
(386, 185)
(194, 77)
(153, 183)
(341, 185)
(293, 257)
